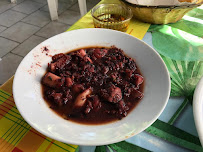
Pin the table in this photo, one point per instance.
(173, 131)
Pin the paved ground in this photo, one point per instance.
(26, 24)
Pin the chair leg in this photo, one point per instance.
(14, 1)
(83, 7)
(57, 4)
(53, 7)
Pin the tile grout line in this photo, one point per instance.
(31, 12)
(11, 7)
(25, 23)
(40, 36)
(16, 54)
(17, 11)
(16, 22)
(68, 8)
(31, 24)
(7, 54)
(29, 36)
(36, 1)
(3, 26)
(65, 23)
(29, 15)
(26, 15)
(3, 30)
(39, 26)
(50, 21)
(19, 43)
(10, 39)
(22, 18)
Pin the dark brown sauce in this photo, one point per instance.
(102, 115)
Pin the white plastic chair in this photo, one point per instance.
(53, 7)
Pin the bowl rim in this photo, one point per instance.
(164, 6)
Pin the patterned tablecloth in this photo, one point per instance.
(181, 47)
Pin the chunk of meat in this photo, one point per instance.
(88, 108)
(138, 79)
(89, 68)
(57, 56)
(123, 108)
(68, 95)
(82, 98)
(69, 82)
(96, 103)
(105, 69)
(58, 98)
(128, 73)
(112, 94)
(52, 67)
(81, 53)
(99, 53)
(86, 58)
(115, 94)
(62, 62)
(52, 80)
(77, 88)
(136, 94)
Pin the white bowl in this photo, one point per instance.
(198, 109)
(29, 101)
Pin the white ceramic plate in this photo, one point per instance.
(198, 109)
(29, 101)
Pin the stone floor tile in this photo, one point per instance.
(27, 7)
(38, 18)
(69, 17)
(90, 4)
(6, 46)
(40, 1)
(5, 5)
(18, 1)
(19, 32)
(68, 1)
(52, 29)
(93, 1)
(2, 28)
(28, 45)
(61, 7)
(10, 17)
(8, 66)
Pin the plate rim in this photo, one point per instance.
(198, 109)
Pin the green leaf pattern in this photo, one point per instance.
(184, 75)
(181, 47)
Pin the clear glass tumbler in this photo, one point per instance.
(112, 16)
